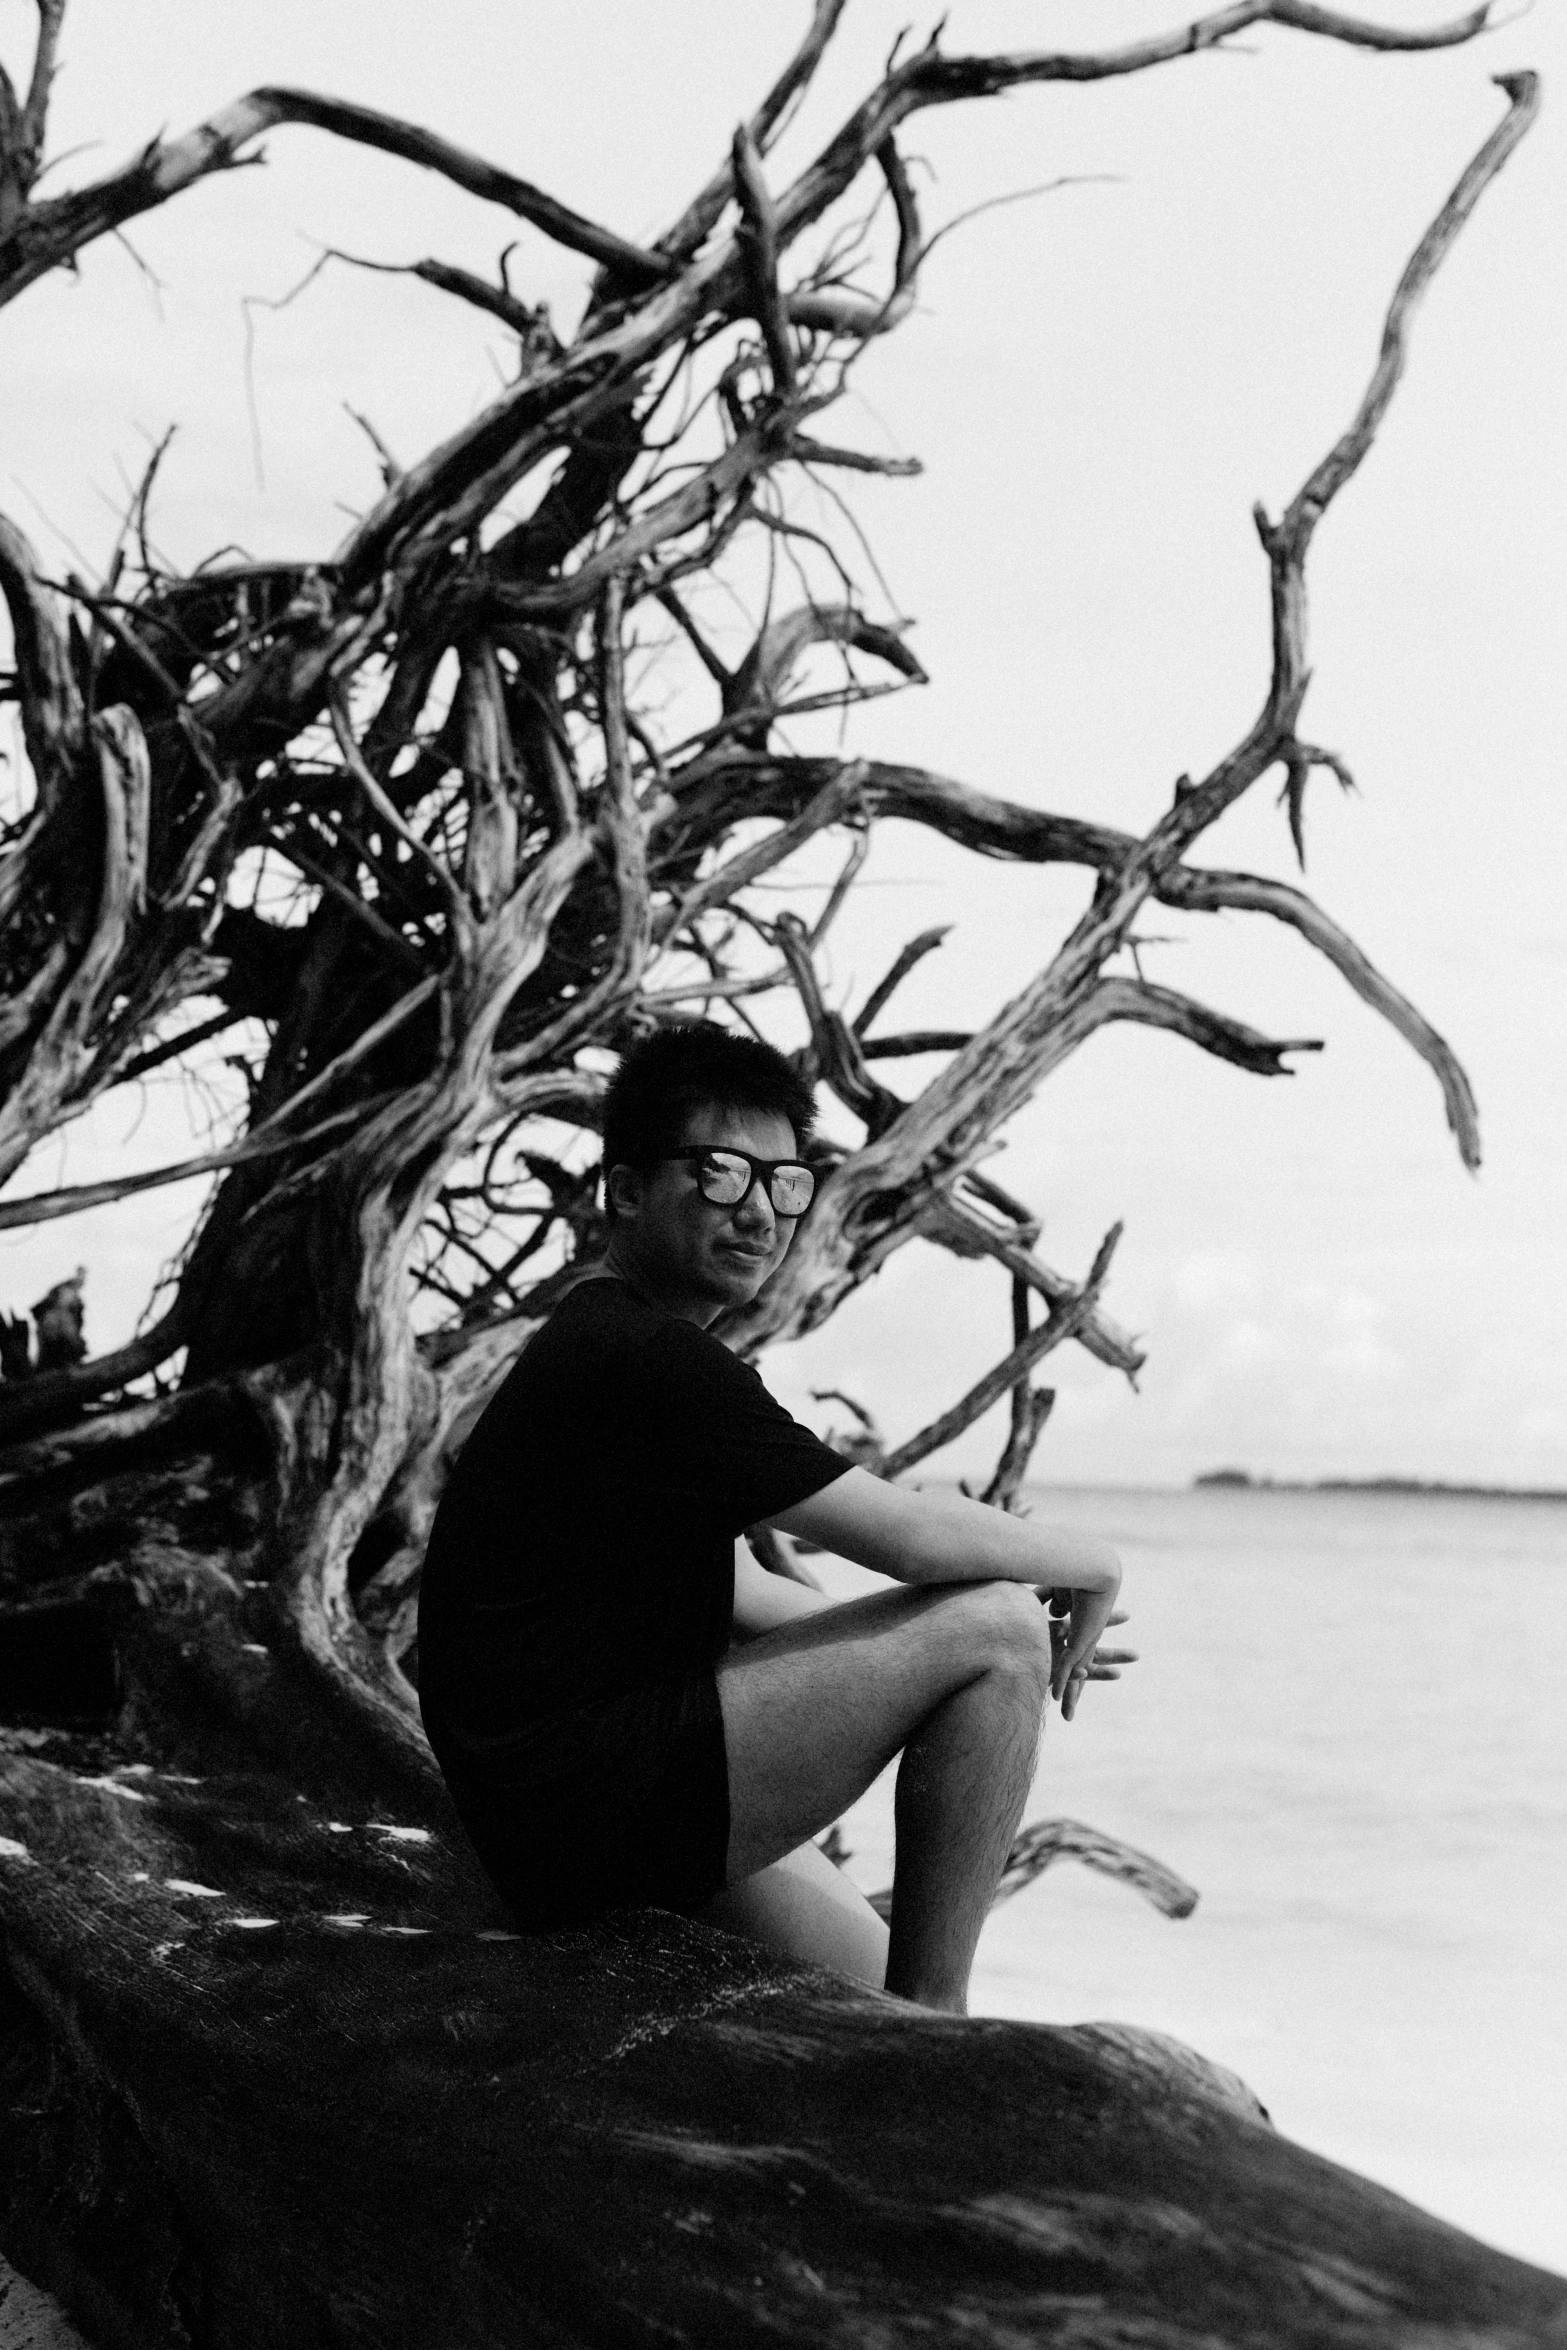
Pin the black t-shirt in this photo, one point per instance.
(584, 1546)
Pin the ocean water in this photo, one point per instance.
(1348, 1729)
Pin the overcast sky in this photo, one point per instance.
(1100, 380)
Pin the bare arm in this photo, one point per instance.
(764, 1601)
(945, 1538)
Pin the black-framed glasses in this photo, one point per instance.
(725, 1177)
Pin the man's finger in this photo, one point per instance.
(1092, 1607)
(1089, 1616)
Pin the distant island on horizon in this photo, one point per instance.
(1242, 1479)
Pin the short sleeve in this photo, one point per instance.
(731, 1444)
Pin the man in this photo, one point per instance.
(625, 1713)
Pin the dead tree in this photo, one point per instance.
(404, 827)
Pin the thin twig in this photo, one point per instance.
(1058, 1326)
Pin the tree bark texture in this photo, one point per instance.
(277, 2069)
(408, 829)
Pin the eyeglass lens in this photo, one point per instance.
(726, 1177)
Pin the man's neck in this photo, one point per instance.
(620, 1264)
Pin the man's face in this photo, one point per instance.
(694, 1257)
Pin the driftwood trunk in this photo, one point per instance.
(278, 2070)
(275, 2068)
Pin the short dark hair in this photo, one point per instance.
(664, 1077)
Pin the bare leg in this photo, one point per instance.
(807, 1908)
(962, 1785)
(957, 1675)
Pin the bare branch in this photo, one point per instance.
(22, 1009)
(462, 481)
(390, 469)
(835, 1048)
(839, 309)
(620, 817)
(1250, 893)
(1299, 760)
(1310, 502)
(108, 619)
(812, 452)
(832, 802)
(838, 896)
(916, 1040)
(1230, 1040)
(1043, 1842)
(44, 1207)
(1272, 739)
(1031, 1408)
(1058, 1326)
(998, 827)
(53, 718)
(531, 325)
(492, 850)
(688, 232)
(882, 993)
(399, 951)
(52, 232)
(1026, 1225)
(534, 831)
(1051, 1840)
(759, 257)
(659, 1000)
(59, 1066)
(930, 79)
(456, 906)
(952, 1223)
(51, 15)
(767, 785)
(762, 681)
(698, 642)
(696, 502)
(22, 125)
(263, 1142)
(994, 827)
(991, 1078)
(158, 1055)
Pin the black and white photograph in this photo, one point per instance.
(783, 1166)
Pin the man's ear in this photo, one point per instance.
(624, 1186)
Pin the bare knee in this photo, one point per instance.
(1012, 1629)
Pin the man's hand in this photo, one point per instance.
(765, 1601)
(1077, 1618)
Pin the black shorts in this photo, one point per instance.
(622, 1803)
